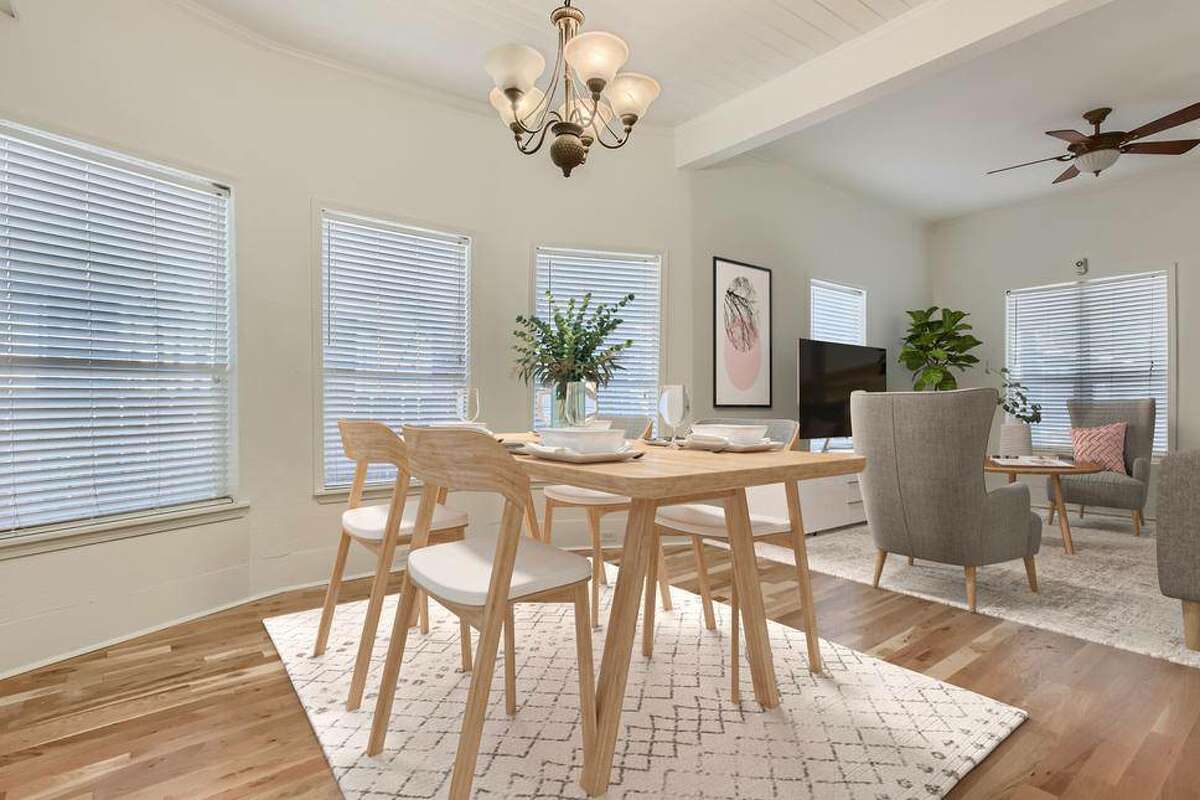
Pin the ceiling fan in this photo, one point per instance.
(1100, 150)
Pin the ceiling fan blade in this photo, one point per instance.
(1029, 163)
(1181, 116)
(1071, 172)
(1176, 147)
(1073, 137)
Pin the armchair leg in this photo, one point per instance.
(970, 575)
(880, 558)
(1137, 523)
(1081, 510)
(1191, 624)
(911, 561)
(1031, 573)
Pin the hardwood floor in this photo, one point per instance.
(204, 709)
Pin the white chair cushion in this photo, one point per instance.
(709, 521)
(368, 522)
(583, 497)
(460, 571)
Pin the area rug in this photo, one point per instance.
(863, 729)
(1106, 593)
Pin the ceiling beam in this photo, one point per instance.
(931, 38)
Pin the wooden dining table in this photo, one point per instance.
(666, 476)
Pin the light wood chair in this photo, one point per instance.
(479, 579)
(703, 522)
(380, 529)
(597, 504)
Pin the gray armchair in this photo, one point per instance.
(1109, 489)
(924, 489)
(1178, 534)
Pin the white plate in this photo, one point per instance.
(713, 445)
(572, 457)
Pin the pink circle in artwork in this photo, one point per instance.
(742, 366)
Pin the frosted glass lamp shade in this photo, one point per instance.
(527, 105)
(1097, 160)
(596, 56)
(631, 93)
(514, 66)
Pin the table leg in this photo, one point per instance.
(800, 548)
(1012, 477)
(638, 548)
(1064, 524)
(754, 615)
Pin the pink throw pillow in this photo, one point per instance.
(1104, 445)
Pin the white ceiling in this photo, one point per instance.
(927, 148)
(702, 51)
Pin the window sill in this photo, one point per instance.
(64, 536)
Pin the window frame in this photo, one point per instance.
(1170, 270)
(836, 444)
(320, 207)
(67, 534)
(664, 288)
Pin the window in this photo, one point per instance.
(115, 358)
(1100, 339)
(838, 314)
(395, 321)
(567, 274)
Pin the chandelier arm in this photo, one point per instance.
(606, 127)
(524, 148)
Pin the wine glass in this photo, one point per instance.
(468, 404)
(674, 406)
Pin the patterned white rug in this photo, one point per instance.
(1107, 592)
(864, 729)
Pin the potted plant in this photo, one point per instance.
(936, 345)
(1016, 435)
(569, 347)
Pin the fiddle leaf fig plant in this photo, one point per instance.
(938, 341)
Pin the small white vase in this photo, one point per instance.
(1016, 439)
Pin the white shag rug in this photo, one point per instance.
(863, 729)
(1106, 593)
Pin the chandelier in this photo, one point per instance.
(595, 102)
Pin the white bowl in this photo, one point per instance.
(734, 434)
(584, 440)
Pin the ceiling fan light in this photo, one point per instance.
(596, 56)
(631, 93)
(514, 66)
(1097, 160)
(526, 107)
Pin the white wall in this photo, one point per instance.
(1121, 226)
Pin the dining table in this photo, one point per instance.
(661, 476)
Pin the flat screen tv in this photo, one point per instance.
(828, 372)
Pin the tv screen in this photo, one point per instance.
(828, 372)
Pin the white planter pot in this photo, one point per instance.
(1016, 439)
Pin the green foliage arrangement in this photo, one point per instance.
(1014, 399)
(936, 345)
(569, 346)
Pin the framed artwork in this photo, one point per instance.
(741, 335)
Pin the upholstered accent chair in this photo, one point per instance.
(923, 487)
(1178, 532)
(1110, 489)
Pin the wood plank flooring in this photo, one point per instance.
(205, 709)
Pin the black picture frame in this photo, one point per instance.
(718, 332)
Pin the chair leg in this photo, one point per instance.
(648, 602)
(1081, 510)
(880, 558)
(366, 642)
(664, 585)
(477, 702)
(510, 664)
(1137, 523)
(1031, 573)
(593, 517)
(464, 642)
(710, 620)
(331, 595)
(735, 638)
(969, 572)
(911, 561)
(424, 609)
(1053, 508)
(391, 668)
(587, 673)
(1191, 624)
(547, 520)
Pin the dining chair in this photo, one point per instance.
(703, 522)
(597, 504)
(380, 529)
(480, 579)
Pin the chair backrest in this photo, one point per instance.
(460, 459)
(634, 427)
(923, 488)
(781, 431)
(368, 442)
(1138, 416)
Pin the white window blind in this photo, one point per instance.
(837, 314)
(567, 274)
(395, 329)
(115, 359)
(1104, 339)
